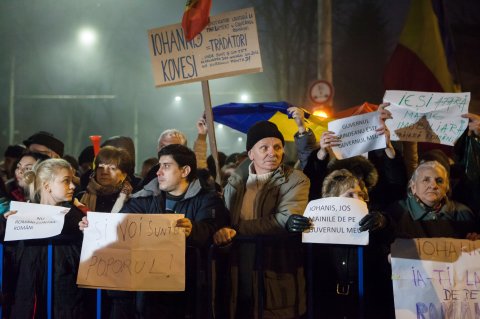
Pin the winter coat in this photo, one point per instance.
(30, 264)
(412, 219)
(284, 194)
(204, 208)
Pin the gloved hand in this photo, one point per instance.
(373, 221)
(297, 223)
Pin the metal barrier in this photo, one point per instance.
(204, 276)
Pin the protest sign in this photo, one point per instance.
(34, 221)
(427, 117)
(226, 47)
(134, 252)
(335, 221)
(436, 278)
(357, 134)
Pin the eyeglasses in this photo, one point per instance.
(110, 167)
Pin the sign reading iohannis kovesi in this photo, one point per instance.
(226, 47)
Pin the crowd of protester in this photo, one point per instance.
(251, 195)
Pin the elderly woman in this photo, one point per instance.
(108, 181)
(336, 266)
(106, 192)
(427, 211)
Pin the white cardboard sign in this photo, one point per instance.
(426, 116)
(357, 134)
(226, 47)
(133, 252)
(34, 221)
(436, 278)
(335, 221)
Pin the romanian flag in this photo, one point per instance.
(196, 17)
(241, 116)
(419, 62)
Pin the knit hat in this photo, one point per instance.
(46, 139)
(260, 130)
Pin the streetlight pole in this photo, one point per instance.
(11, 103)
(324, 69)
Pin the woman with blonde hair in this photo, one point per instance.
(50, 183)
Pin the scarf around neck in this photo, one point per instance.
(94, 189)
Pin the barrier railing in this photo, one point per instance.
(205, 277)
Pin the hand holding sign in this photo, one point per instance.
(474, 124)
(327, 141)
(373, 221)
(186, 224)
(297, 223)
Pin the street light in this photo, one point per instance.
(244, 97)
(87, 37)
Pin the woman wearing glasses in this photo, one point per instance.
(107, 190)
(108, 181)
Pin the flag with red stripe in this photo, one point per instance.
(419, 62)
(196, 17)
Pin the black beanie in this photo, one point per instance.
(262, 130)
(46, 139)
(86, 156)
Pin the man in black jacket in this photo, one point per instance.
(204, 213)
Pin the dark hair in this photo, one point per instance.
(72, 160)
(117, 156)
(211, 163)
(183, 156)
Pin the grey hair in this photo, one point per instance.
(43, 172)
(173, 133)
(428, 164)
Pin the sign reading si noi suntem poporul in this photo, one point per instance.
(226, 47)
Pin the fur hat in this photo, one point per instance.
(359, 166)
(46, 139)
(261, 130)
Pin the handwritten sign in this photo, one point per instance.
(436, 278)
(134, 252)
(34, 221)
(427, 117)
(335, 221)
(226, 47)
(357, 134)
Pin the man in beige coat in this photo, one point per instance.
(266, 197)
